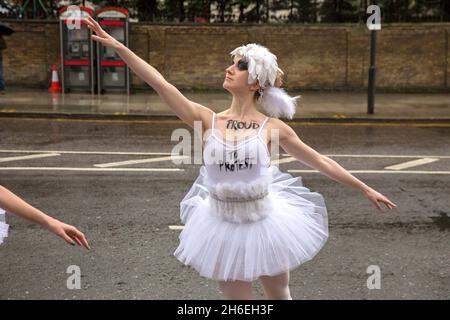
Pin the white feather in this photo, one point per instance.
(278, 103)
(263, 66)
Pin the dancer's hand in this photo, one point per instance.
(69, 233)
(376, 198)
(101, 35)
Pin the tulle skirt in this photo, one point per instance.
(3, 226)
(284, 226)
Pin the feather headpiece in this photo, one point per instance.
(263, 66)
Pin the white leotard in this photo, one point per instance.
(245, 161)
(237, 176)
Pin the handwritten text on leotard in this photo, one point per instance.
(236, 164)
(236, 124)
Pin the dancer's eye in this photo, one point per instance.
(242, 65)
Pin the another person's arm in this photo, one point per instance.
(15, 205)
(292, 144)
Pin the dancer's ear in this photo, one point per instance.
(255, 86)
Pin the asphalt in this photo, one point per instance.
(127, 212)
(314, 106)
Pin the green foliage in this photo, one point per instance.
(256, 11)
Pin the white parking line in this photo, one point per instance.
(410, 164)
(88, 169)
(379, 156)
(33, 156)
(379, 171)
(89, 152)
(124, 163)
(168, 153)
(422, 159)
(284, 160)
(178, 169)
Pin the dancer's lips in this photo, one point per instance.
(228, 78)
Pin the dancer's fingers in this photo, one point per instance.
(80, 236)
(94, 29)
(388, 203)
(97, 38)
(381, 207)
(96, 24)
(67, 238)
(91, 21)
(76, 240)
(85, 242)
(92, 24)
(377, 205)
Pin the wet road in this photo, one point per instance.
(114, 181)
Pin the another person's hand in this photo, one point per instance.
(101, 35)
(69, 233)
(376, 198)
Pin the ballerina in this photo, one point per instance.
(243, 218)
(15, 205)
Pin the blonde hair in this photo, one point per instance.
(278, 82)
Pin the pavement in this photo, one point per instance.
(147, 104)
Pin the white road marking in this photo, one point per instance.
(380, 171)
(168, 153)
(176, 227)
(178, 169)
(89, 152)
(284, 160)
(104, 167)
(379, 156)
(124, 163)
(88, 169)
(33, 156)
(410, 164)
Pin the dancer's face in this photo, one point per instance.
(236, 76)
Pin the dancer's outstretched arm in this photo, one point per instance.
(13, 204)
(292, 144)
(187, 110)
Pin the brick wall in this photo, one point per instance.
(410, 57)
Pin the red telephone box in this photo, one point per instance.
(112, 72)
(76, 49)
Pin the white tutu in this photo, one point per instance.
(3, 226)
(283, 226)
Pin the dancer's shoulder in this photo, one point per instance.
(275, 123)
(283, 129)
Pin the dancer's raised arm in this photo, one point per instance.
(292, 144)
(187, 110)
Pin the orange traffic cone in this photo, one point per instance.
(55, 81)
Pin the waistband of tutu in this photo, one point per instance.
(240, 199)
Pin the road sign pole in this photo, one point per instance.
(372, 72)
